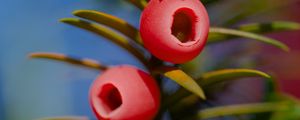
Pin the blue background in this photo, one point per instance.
(31, 89)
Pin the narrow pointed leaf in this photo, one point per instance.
(223, 34)
(241, 109)
(293, 110)
(107, 33)
(214, 77)
(275, 26)
(186, 82)
(65, 118)
(67, 59)
(111, 21)
(251, 8)
(141, 4)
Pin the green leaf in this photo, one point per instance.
(271, 87)
(217, 34)
(111, 21)
(214, 77)
(253, 8)
(241, 109)
(291, 113)
(64, 58)
(275, 26)
(65, 118)
(141, 4)
(107, 33)
(186, 82)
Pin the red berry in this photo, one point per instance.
(125, 93)
(174, 30)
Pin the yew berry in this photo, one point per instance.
(174, 30)
(125, 93)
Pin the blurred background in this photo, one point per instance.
(31, 89)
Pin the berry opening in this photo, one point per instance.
(183, 26)
(110, 97)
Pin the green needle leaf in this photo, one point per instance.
(241, 109)
(293, 111)
(223, 34)
(186, 82)
(111, 21)
(65, 118)
(141, 4)
(214, 77)
(64, 58)
(107, 33)
(275, 26)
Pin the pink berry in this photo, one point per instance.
(174, 30)
(125, 93)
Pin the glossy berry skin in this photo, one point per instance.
(174, 30)
(125, 93)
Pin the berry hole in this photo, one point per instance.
(183, 26)
(110, 97)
